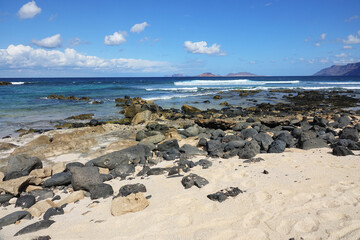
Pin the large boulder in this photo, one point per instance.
(23, 164)
(25, 201)
(16, 186)
(287, 138)
(341, 151)
(314, 143)
(264, 140)
(189, 109)
(169, 144)
(277, 146)
(350, 133)
(141, 117)
(249, 133)
(250, 150)
(191, 150)
(133, 154)
(132, 110)
(101, 190)
(132, 203)
(84, 177)
(191, 131)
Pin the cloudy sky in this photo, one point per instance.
(156, 38)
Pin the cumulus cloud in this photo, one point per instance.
(202, 48)
(139, 27)
(25, 57)
(317, 44)
(341, 55)
(49, 42)
(347, 47)
(323, 36)
(351, 39)
(116, 39)
(29, 10)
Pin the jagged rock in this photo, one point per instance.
(287, 138)
(35, 227)
(123, 171)
(140, 135)
(132, 110)
(223, 194)
(102, 190)
(15, 186)
(202, 142)
(341, 151)
(58, 179)
(215, 123)
(191, 131)
(350, 133)
(22, 163)
(277, 146)
(193, 179)
(171, 154)
(84, 177)
(42, 194)
(155, 171)
(153, 139)
(25, 201)
(82, 116)
(204, 163)
(13, 218)
(132, 203)
(249, 133)
(217, 134)
(191, 150)
(241, 125)
(169, 144)
(344, 121)
(128, 189)
(133, 154)
(143, 171)
(264, 140)
(53, 212)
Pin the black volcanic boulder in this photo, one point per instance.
(350, 133)
(248, 133)
(314, 143)
(25, 201)
(131, 188)
(287, 138)
(341, 151)
(169, 144)
(133, 154)
(101, 190)
(277, 146)
(58, 179)
(84, 177)
(35, 227)
(193, 179)
(250, 149)
(264, 140)
(21, 164)
(52, 212)
(223, 194)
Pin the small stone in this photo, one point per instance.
(132, 203)
(131, 188)
(223, 194)
(341, 151)
(193, 179)
(52, 212)
(265, 172)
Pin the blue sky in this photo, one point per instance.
(156, 38)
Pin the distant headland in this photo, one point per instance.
(351, 69)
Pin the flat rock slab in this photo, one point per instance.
(35, 227)
(13, 217)
(223, 194)
(132, 203)
(15, 186)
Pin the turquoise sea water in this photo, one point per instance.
(24, 104)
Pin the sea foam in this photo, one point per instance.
(239, 82)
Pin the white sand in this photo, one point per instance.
(310, 194)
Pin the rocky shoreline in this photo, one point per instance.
(51, 173)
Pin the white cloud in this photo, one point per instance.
(29, 10)
(116, 39)
(341, 55)
(317, 44)
(307, 39)
(25, 57)
(351, 18)
(201, 47)
(252, 62)
(347, 47)
(139, 27)
(345, 61)
(49, 42)
(359, 32)
(351, 39)
(311, 61)
(324, 60)
(323, 36)
(144, 39)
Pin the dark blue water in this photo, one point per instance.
(24, 104)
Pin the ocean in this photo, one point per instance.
(24, 104)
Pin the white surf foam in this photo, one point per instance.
(230, 82)
(17, 83)
(340, 83)
(192, 89)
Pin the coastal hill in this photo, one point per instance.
(351, 69)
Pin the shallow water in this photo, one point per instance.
(24, 104)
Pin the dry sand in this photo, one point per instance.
(310, 194)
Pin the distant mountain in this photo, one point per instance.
(240, 74)
(351, 69)
(207, 74)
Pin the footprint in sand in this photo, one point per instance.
(285, 226)
(306, 225)
(252, 219)
(262, 196)
(254, 234)
(183, 220)
(303, 197)
(249, 184)
(331, 203)
(329, 215)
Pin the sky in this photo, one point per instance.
(135, 38)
